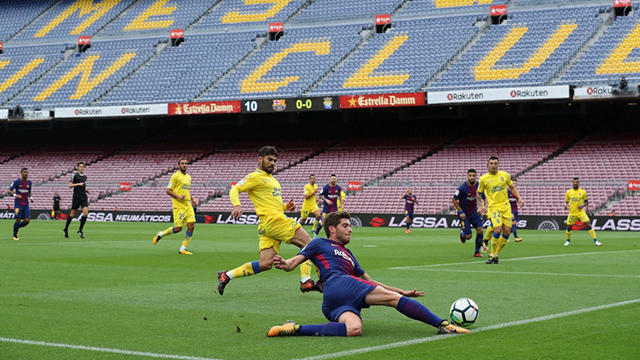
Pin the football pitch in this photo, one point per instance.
(114, 295)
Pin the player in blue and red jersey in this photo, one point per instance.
(464, 200)
(21, 190)
(348, 289)
(329, 197)
(514, 210)
(410, 202)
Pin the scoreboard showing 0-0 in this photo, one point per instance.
(290, 105)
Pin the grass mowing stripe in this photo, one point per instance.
(419, 267)
(481, 329)
(107, 350)
(529, 273)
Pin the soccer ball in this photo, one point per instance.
(464, 312)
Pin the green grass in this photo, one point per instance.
(115, 290)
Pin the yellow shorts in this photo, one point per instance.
(499, 218)
(183, 216)
(307, 212)
(571, 219)
(275, 230)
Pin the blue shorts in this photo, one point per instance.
(409, 214)
(473, 220)
(344, 293)
(23, 212)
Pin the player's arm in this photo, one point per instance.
(289, 205)
(247, 183)
(289, 264)
(408, 293)
(514, 191)
(310, 194)
(585, 202)
(479, 202)
(455, 203)
(415, 200)
(324, 198)
(30, 196)
(13, 193)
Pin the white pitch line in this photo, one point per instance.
(529, 273)
(71, 242)
(485, 328)
(418, 267)
(98, 349)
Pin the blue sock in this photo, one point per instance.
(318, 229)
(415, 310)
(514, 230)
(478, 242)
(408, 225)
(255, 265)
(23, 223)
(16, 226)
(328, 329)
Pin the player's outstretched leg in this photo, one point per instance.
(290, 328)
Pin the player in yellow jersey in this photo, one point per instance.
(310, 204)
(274, 228)
(494, 185)
(179, 189)
(341, 199)
(575, 200)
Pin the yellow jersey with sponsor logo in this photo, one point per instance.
(311, 201)
(575, 198)
(495, 189)
(264, 191)
(180, 184)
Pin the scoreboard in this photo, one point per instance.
(291, 105)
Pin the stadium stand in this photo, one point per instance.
(290, 66)
(22, 66)
(179, 74)
(527, 50)
(402, 59)
(320, 11)
(84, 77)
(239, 13)
(448, 6)
(146, 17)
(606, 61)
(16, 14)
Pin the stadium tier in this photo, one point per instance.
(572, 44)
(528, 49)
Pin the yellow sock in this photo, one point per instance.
(502, 241)
(489, 233)
(494, 246)
(248, 269)
(315, 225)
(169, 231)
(305, 270)
(592, 233)
(568, 235)
(187, 239)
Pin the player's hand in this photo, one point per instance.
(181, 198)
(580, 207)
(31, 199)
(280, 263)
(463, 216)
(481, 210)
(18, 196)
(521, 203)
(81, 184)
(291, 206)
(412, 293)
(193, 202)
(566, 207)
(236, 212)
(329, 202)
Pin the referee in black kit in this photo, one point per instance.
(79, 184)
